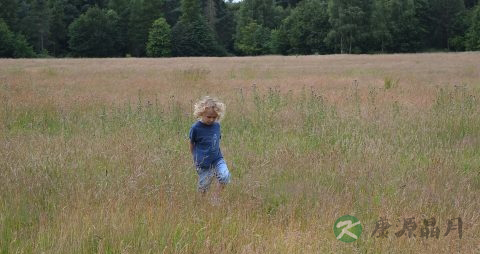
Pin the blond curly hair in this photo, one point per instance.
(207, 103)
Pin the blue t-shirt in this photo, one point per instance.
(206, 144)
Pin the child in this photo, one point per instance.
(205, 138)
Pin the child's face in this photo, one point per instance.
(209, 116)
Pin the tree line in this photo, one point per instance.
(164, 28)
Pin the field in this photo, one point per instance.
(94, 154)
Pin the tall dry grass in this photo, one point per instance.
(94, 155)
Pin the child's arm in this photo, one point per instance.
(191, 138)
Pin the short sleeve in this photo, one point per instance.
(220, 131)
(192, 135)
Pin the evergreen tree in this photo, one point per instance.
(425, 25)
(404, 27)
(21, 48)
(83, 5)
(225, 27)
(172, 11)
(70, 13)
(472, 41)
(93, 34)
(461, 23)
(58, 30)
(35, 24)
(221, 21)
(122, 8)
(136, 29)
(192, 36)
(307, 26)
(142, 15)
(262, 12)
(8, 12)
(469, 4)
(445, 14)
(350, 24)
(287, 3)
(190, 11)
(380, 26)
(12, 45)
(7, 42)
(159, 39)
(255, 20)
(115, 32)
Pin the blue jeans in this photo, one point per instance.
(205, 175)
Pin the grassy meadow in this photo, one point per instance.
(94, 153)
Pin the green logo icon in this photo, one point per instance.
(347, 229)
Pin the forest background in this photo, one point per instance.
(164, 28)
